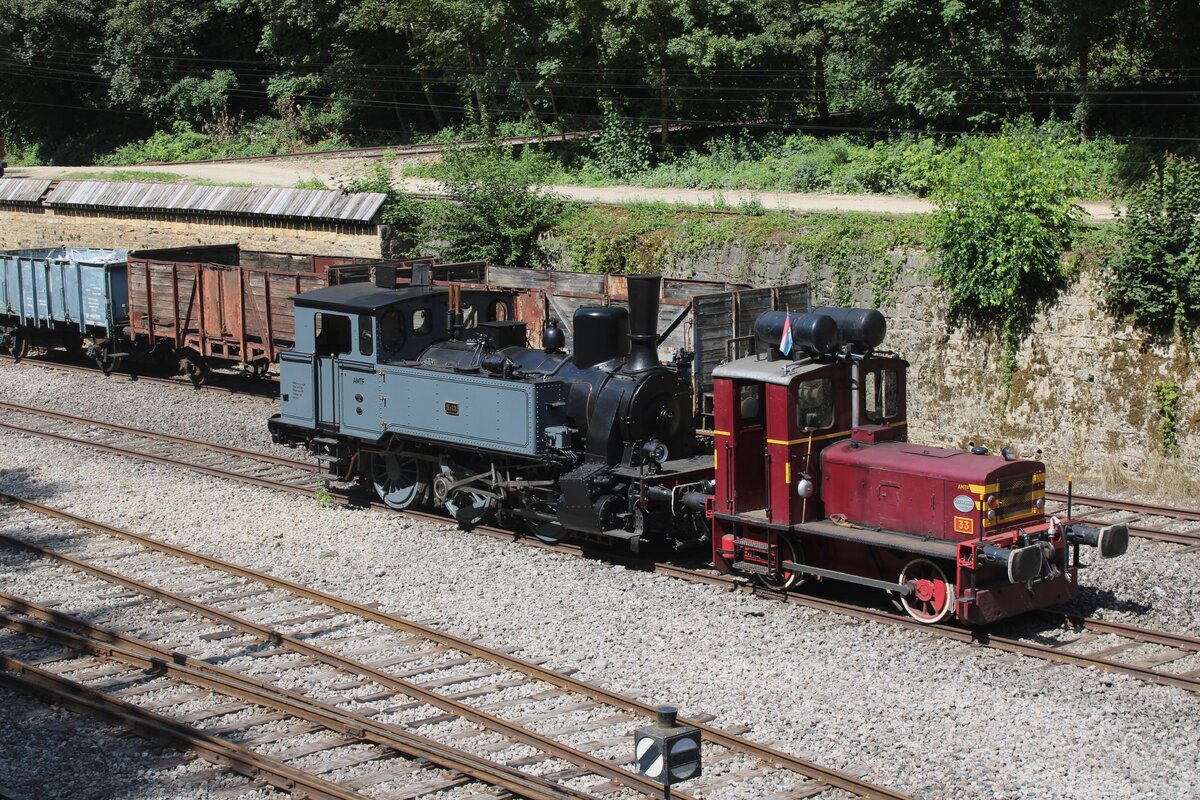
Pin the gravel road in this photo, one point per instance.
(286, 172)
(909, 710)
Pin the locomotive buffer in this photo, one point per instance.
(666, 751)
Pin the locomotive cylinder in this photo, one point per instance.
(643, 321)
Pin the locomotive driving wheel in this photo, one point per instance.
(400, 481)
(784, 579)
(933, 596)
(468, 507)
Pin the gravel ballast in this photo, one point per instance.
(908, 709)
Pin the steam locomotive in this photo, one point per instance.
(807, 473)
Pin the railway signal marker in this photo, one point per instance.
(666, 751)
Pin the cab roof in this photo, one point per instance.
(360, 298)
(759, 368)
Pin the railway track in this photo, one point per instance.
(394, 672)
(1142, 653)
(216, 382)
(1135, 515)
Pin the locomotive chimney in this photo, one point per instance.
(643, 322)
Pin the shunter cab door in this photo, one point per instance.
(739, 445)
(803, 417)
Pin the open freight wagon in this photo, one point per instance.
(62, 297)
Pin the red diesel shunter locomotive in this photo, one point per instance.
(815, 478)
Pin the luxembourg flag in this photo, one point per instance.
(785, 341)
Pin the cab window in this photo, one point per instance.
(422, 322)
(333, 334)
(366, 341)
(881, 400)
(814, 403)
(391, 334)
(750, 404)
(470, 315)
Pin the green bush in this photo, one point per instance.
(403, 212)
(1155, 278)
(496, 211)
(1004, 219)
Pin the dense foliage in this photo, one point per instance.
(304, 71)
(1004, 219)
(1155, 278)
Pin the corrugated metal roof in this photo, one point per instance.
(241, 201)
(22, 190)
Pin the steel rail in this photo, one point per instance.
(1188, 538)
(138, 653)
(255, 455)
(267, 634)
(26, 677)
(975, 636)
(832, 777)
(1149, 509)
(960, 634)
(216, 472)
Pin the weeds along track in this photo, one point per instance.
(374, 675)
(1154, 656)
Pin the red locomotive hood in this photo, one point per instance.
(935, 462)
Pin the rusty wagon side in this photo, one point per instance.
(220, 304)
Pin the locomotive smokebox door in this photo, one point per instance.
(666, 751)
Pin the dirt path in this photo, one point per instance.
(287, 172)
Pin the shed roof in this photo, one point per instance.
(241, 201)
(22, 191)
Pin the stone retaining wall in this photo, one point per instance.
(1083, 396)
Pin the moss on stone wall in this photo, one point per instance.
(855, 251)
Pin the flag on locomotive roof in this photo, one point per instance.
(785, 341)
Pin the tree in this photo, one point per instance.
(1004, 219)
(1155, 279)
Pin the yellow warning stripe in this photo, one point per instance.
(803, 439)
(1015, 518)
(722, 433)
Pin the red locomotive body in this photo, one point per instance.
(814, 479)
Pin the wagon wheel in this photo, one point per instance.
(784, 579)
(467, 507)
(106, 360)
(260, 368)
(400, 481)
(20, 345)
(193, 365)
(933, 596)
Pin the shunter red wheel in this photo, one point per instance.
(933, 597)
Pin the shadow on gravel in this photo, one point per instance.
(1092, 600)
